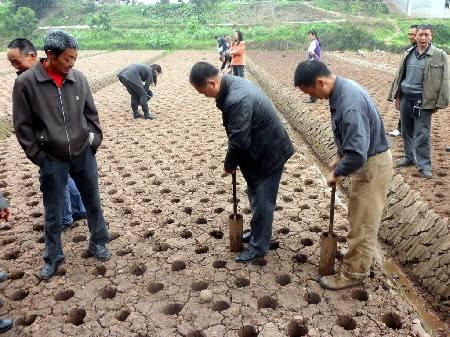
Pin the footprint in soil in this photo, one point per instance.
(220, 306)
(267, 302)
(138, 269)
(296, 328)
(199, 286)
(219, 264)
(19, 295)
(155, 287)
(312, 298)
(178, 265)
(76, 316)
(26, 320)
(161, 247)
(186, 234)
(122, 315)
(248, 331)
(172, 309)
(99, 270)
(12, 254)
(64, 295)
(216, 233)
(108, 292)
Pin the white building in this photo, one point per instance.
(423, 8)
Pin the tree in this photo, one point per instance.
(24, 22)
(38, 6)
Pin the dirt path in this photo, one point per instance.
(167, 202)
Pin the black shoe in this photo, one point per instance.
(447, 149)
(5, 325)
(50, 269)
(405, 163)
(99, 251)
(138, 115)
(247, 256)
(79, 216)
(246, 236)
(426, 174)
(150, 116)
(3, 276)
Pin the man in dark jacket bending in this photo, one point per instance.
(57, 125)
(132, 77)
(257, 143)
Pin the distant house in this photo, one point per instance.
(423, 9)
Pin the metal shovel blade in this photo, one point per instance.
(328, 249)
(235, 225)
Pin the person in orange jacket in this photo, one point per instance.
(238, 53)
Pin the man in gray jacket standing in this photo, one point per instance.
(362, 152)
(257, 143)
(57, 125)
(132, 77)
(421, 86)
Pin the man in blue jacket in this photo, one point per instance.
(257, 143)
(362, 153)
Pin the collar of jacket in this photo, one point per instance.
(336, 92)
(223, 92)
(429, 52)
(43, 76)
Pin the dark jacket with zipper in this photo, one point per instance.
(257, 141)
(58, 123)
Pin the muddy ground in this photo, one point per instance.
(167, 202)
(366, 70)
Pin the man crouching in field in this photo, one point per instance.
(57, 125)
(257, 143)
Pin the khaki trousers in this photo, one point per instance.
(369, 187)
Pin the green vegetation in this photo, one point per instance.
(280, 24)
(354, 7)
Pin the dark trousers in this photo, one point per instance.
(53, 177)
(263, 199)
(238, 71)
(138, 96)
(416, 134)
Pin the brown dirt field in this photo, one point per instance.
(166, 202)
(435, 191)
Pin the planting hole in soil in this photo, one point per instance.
(347, 322)
(64, 295)
(283, 279)
(19, 295)
(274, 245)
(220, 306)
(99, 270)
(123, 315)
(242, 282)
(76, 316)
(300, 258)
(155, 287)
(172, 309)
(248, 331)
(392, 320)
(360, 295)
(217, 234)
(312, 298)
(296, 328)
(196, 333)
(307, 242)
(138, 269)
(25, 320)
(108, 292)
(267, 302)
(218, 264)
(259, 261)
(283, 231)
(178, 265)
(201, 250)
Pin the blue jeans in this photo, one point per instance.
(73, 205)
(53, 178)
(263, 200)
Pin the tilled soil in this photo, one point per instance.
(366, 71)
(167, 202)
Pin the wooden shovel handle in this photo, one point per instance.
(233, 175)
(333, 198)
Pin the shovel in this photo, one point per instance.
(235, 223)
(328, 243)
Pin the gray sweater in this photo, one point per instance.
(357, 126)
